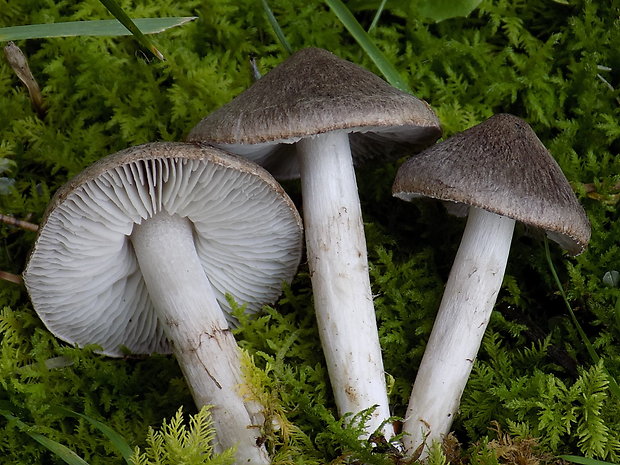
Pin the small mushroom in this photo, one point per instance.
(503, 172)
(310, 117)
(137, 253)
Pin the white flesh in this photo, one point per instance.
(336, 248)
(197, 329)
(468, 300)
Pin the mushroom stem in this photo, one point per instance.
(197, 329)
(464, 312)
(336, 248)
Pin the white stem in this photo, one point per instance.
(336, 249)
(195, 325)
(468, 300)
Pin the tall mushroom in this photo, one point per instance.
(310, 117)
(502, 171)
(138, 252)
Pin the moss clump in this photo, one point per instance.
(555, 64)
(175, 443)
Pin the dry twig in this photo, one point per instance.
(18, 223)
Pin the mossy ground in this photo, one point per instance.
(554, 63)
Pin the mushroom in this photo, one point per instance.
(308, 118)
(137, 253)
(503, 172)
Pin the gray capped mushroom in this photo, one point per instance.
(138, 252)
(310, 117)
(503, 172)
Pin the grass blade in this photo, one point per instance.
(440, 10)
(115, 438)
(118, 12)
(106, 27)
(364, 40)
(375, 20)
(63, 452)
(613, 385)
(276, 27)
(584, 460)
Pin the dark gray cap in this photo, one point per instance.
(313, 92)
(83, 275)
(501, 166)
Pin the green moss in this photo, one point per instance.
(556, 65)
(175, 443)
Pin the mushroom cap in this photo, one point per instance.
(501, 166)
(83, 276)
(313, 92)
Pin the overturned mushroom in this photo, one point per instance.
(138, 252)
(502, 171)
(310, 117)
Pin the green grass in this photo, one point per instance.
(104, 27)
(555, 64)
